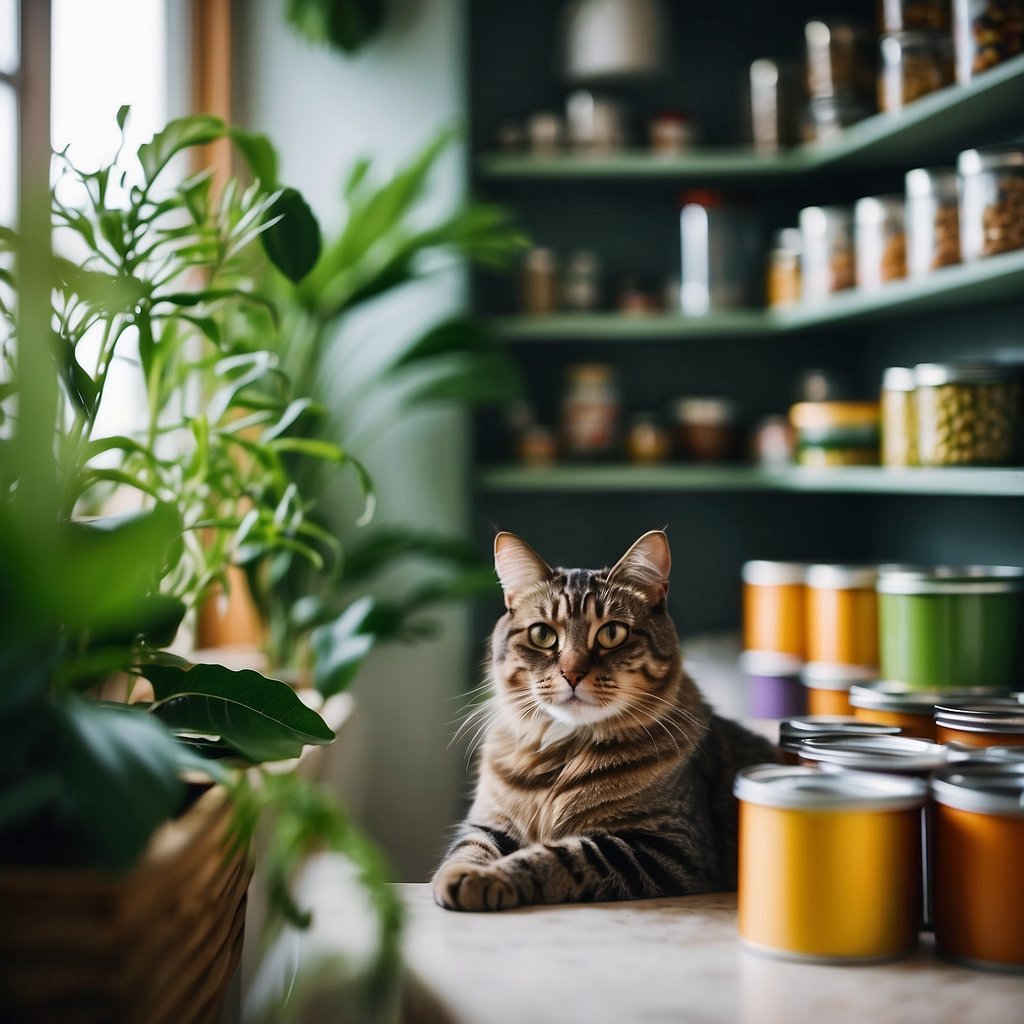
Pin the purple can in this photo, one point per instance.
(775, 689)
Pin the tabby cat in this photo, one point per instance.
(603, 774)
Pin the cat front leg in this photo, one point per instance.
(464, 881)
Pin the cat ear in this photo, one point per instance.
(646, 565)
(518, 566)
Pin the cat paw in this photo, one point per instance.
(470, 887)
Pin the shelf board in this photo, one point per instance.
(619, 477)
(991, 280)
(933, 127)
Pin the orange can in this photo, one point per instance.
(910, 709)
(979, 885)
(842, 614)
(828, 686)
(773, 607)
(994, 722)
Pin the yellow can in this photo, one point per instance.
(910, 709)
(828, 686)
(773, 607)
(829, 863)
(842, 614)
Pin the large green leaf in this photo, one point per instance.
(340, 647)
(259, 154)
(292, 240)
(262, 719)
(179, 134)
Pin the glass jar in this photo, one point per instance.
(775, 102)
(900, 15)
(987, 32)
(782, 277)
(539, 283)
(581, 282)
(648, 440)
(841, 59)
(705, 428)
(880, 242)
(671, 133)
(968, 414)
(836, 433)
(991, 201)
(827, 116)
(590, 411)
(899, 417)
(932, 220)
(913, 65)
(826, 256)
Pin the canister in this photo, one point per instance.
(826, 251)
(773, 607)
(991, 200)
(828, 686)
(987, 32)
(979, 885)
(899, 417)
(989, 723)
(910, 709)
(880, 241)
(933, 219)
(793, 731)
(946, 627)
(829, 863)
(836, 433)
(842, 614)
(913, 64)
(775, 687)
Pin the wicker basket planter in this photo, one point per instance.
(158, 944)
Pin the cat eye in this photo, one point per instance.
(612, 634)
(542, 635)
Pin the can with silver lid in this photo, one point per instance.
(910, 709)
(793, 731)
(963, 753)
(932, 219)
(773, 607)
(899, 417)
(987, 722)
(979, 886)
(968, 414)
(828, 686)
(949, 627)
(829, 863)
(991, 201)
(842, 614)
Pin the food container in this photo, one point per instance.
(898, 15)
(992, 722)
(775, 103)
(899, 417)
(774, 607)
(772, 442)
(671, 133)
(826, 260)
(979, 885)
(880, 242)
(947, 627)
(539, 282)
(987, 32)
(932, 220)
(581, 282)
(842, 614)
(774, 680)
(991, 201)
(841, 59)
(648, 440)
(782, 272)
(590, 411)
(913, 65)
(829, 863)
(793, 731)
(836, 433)
(968, 414)
(962, 753)
(828, 686)
(910, 709)
(594, 124)
(705, 428)
(544, 131)
(827, 116)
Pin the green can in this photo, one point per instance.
(951, 626)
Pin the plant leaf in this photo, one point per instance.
(340, 647)
(179, 134)
(259, 154)
(292, 240)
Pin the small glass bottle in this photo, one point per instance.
(880, 242)
(899, 417)
(913, 65)
(932, 220)
(590, 411)
(991, 201)
(826, 257)
(782, 284)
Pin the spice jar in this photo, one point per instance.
(828, 686)
(987, 32)
(836, 433)
(991, 201)
(775, 103)
(968, 414)
(671, 133)
(793, 731)
(544, 130)
(932, 220)
(899, 417)
(880, 242)
(595, 124)
(782, 277)
(913, 65)
(648, 440)
(536, 446)
(826, 253)
(774, 681)
(840, 59)
(590, 411)
(842, 614)
(774, 607)
(991, 722)
(539, 283)
(899, 15)
(705, 428)
(829, 863)
(909, 708)
(979, 887)
(581, 286)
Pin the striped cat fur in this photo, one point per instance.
(603, 774)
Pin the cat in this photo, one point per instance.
(603, 774)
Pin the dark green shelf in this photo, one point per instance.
(1006, 483)
(934, 127)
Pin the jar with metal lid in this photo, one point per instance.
(840, 59)
(782, 278)
(947, 627)
(880, 242)
(842, 614)
(648, 440)
(829, 863)
(828, 686)
(932, 219)
(979, 886)
(990, 722)
(913, 65)
(836, 433)
(775, 103)
(774, 684)
(827, 117)
(827, 262)
(908, 708)
(968, 414)
(793, 731)
(590, 411)
(987, 32)
(899, 15)
(705, 428)
(991, 201)
(774, 607)
(899, 417)
(539, 282)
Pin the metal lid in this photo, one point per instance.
(872, 210)
(774, 574)
(770, 663)
(899, 378)
(926, 181)
(803, 788)
(888, 695)
(935, 374)
(842, 577)
(974, 161)
(825, 675)
(958, 753)
(875, 753)
(804, 726)
(1004, 715)
(950, 579)
(982, 788)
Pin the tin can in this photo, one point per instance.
(775, 688)
(828, 686)
(989, 723)
(793, 731)
(842, 614)
(829, 863)
(910, 709)
(979, 887)
(773, 607)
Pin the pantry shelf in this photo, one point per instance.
(953, 481)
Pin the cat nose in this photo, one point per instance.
(573, 678)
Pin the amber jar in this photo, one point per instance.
(842, 614)
(648, 440)
(774, 607)
(705, 428)
(782, 274)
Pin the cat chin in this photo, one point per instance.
(578, 713)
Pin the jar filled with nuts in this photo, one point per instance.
(987, 32)
(880, 242)
(901, 15)
(913, 65)
(826, 258)
(841, 59)
(991, 201)
(899, 417)
(932, 220)
(968, 414)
